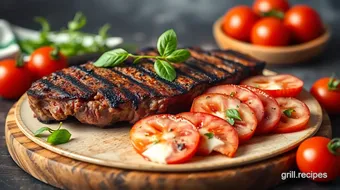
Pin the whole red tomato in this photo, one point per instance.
(319, 156)
(270, 32)
(263, 6)
(327, 92)
(304, 23)
(238, 22)
(45, 61)
(15, 79)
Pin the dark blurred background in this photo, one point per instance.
(141, 22)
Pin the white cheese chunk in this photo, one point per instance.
(210, 143)
(158, 153)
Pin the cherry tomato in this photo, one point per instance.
(216, 134)
(263, 6)
(245, 95)
(294, 115)
(319, 157)
(219, 104)
(272, 113)
(270, 32)
(15, 79)
(304, 23)
(276, 85)
(165, 139)
(45, 61)
(238, 22)
(327, 92)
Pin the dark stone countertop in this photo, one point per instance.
(141, 22)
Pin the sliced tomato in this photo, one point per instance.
(276, 85)
(165, 139)
(245, 95)
(272, 113)
(216, 134)
(218, 104)
(298, 119)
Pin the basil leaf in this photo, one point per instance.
(234, 114)
(59, 137)
(178, 56)
(209, 135)
(288, 112)
(78, 22)
(41, 130)
(231, 121)
(103, 31)
(165, 70)
(112, 58)
(167, 43)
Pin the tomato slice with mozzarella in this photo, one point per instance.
(216, 134)
(276, 85)
(220, 104)
(294, 115)
(272, 113)
(245, 95)
(165, 139)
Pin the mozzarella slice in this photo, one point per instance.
(158, 153)
(210, 143)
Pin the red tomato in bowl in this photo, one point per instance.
(276, 85)
(270, 32)
(294, 115)
(165, 139)
(15, 79)
(216, 134)
(43, 62)
(238, 22)
(220, 104)
(263, 6)
(304, 23)
(327, 92)
(320, 157)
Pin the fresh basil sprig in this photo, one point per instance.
(168, 54)
(288, 112)
(58, 136)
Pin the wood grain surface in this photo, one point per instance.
(66, 173)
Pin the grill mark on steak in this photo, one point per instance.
(174, 85)
(49, 85)
(191, 64)
(152, 91)
(114, 99)
(87, 91)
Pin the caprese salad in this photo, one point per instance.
(221, 119)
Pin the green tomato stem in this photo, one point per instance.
(334, 146)
(55, 53)
(20, 60)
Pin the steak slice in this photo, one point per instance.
(103, 96)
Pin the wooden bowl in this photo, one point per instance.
(273, 55)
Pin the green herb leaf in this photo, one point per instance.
(60, 136)
(167, 43)
(273, 13)
(178, 56)
(165, 70)
(78, 22)
(333, 83)
(209, 135)
(234, 114)
(288, 112)
(231, 121)
(41, 130)
(45, 28)
(112, 58)
(103, 31)
(137, 60)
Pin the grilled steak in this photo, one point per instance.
(103, 96)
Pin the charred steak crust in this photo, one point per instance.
(103, 96)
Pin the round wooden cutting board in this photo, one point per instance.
(67, 173)
(111, 147)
